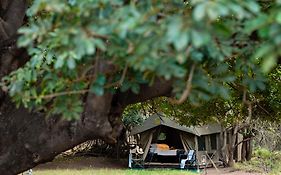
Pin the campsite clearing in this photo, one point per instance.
(112, 172)
(106, 166)
(138, 172)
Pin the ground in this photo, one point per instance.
(106, 166)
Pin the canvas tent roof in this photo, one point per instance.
(208, 129)
(157, 120)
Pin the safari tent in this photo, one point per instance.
(162, 141)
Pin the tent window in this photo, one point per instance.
(201, 143)
(213, 138)
(162, 136)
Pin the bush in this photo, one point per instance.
(263, 161)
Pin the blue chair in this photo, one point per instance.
(189, 159)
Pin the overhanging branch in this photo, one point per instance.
(187, 89)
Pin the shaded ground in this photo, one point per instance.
(106, 163)
(84, 162)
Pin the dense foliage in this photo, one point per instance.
(206, 45)
(264, 161)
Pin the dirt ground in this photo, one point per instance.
(101, 163)
(228, 171)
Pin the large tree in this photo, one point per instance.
(70, 67)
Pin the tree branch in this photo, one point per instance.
(250, 106)
(159, 88)
(50, 96)
(245, 140)
(120, 82)
(187, 89)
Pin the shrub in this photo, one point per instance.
(263, 161)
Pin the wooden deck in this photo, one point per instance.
(161, 165)
(175, 165)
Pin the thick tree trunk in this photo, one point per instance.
(28, 138)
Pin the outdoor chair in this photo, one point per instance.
(135, 157)
(28, 172)
(190, 158)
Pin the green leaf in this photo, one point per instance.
(60, 60)
(100, 44)
(98, 90)
(253, 6)
(268, 63)
(278, 17)
(182, 41)
(24, 41)
(224, 93)
(135, 88)
(199, 12)
(59, 63)
(101, 79)
(199, 38)
(71, 63)
(174, 29)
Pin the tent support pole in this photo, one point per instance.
(196, 152)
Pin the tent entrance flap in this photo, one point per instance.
(185, 145)
(187, 141)
(146, 139)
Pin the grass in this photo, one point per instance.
(253, 166)
(112, 172)
(248, 167)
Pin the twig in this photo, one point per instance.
(187, 89)
(50, 96)
(89, 77)
(245, 101)
(95, 35)
(263, 109)
(119, 83)
(83, 91)
(123, 75)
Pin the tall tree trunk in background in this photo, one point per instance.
(244, 151)
(228, 140)
(223, 145)
(249, 149)
(232, 144)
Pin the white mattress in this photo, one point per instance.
(164, 152)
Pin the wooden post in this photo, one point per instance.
(196, 151)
